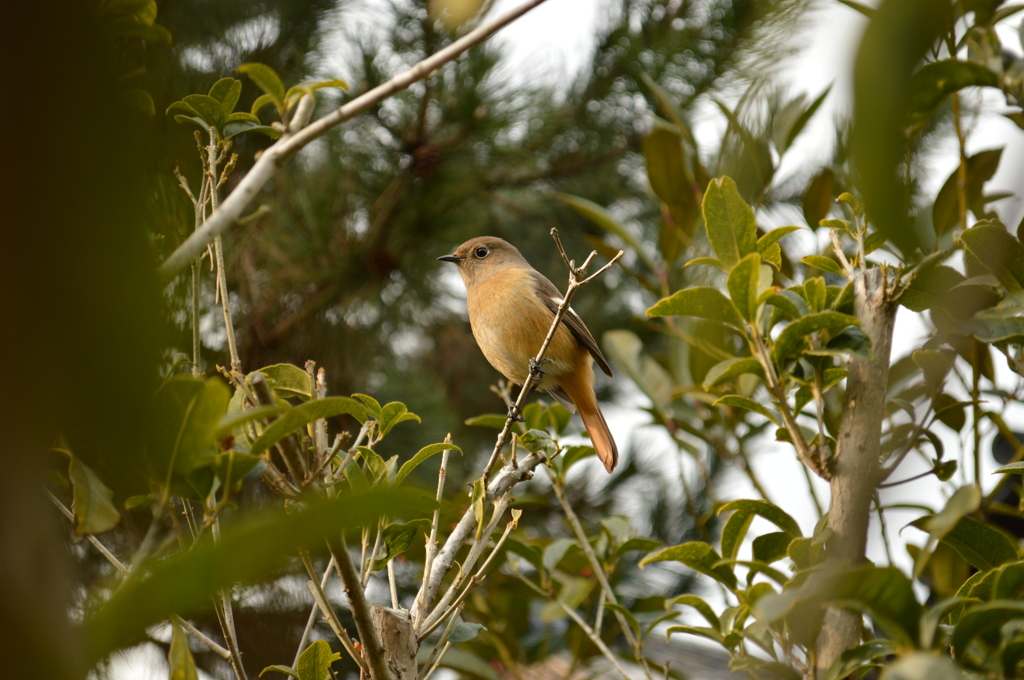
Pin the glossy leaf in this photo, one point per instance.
(491, 420)
(743, 513)
(266, 79)
(280, 668)
(626, 351)
(730, 369)
(287, 381)
(981, 545)
(698, 556)
(604, 219)
(980, 169)
(793, 336)
(394, 413)
(208, 108)
(179, 656)
(702, 302)
(227, 425)
(260, 102)
(731, 227)
(933, 82)
(744, 284)
(302, 415)
(422, 455)
(464, 632)
(227, 91)
(736, 401)
(930, 288)
(771, 547)
(397, 539)
(817, 199)
(999, 252)
(555, 551)
(803, 119)
(183, 420)
(979, 618)
(92, 502)
(315, 661)
(857, 658)
(825, 264)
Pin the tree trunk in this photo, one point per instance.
(855, 473)
(394, 627)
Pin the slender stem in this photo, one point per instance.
(431, 548)
(594, 637)
(294, 139)
(393, 584)
(196, 341)
(372, 648)
(595, 564)
(316, 589)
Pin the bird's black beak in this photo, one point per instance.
(450, 258)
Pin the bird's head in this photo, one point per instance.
(479, 258)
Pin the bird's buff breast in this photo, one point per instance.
(510, 324)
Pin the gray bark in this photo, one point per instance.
(855, 473)
(394, 627)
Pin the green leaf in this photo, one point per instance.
(930, 288)
(804, 118)
(981, 545)
(709, 633)
(737, 401)
(179, 656)
(825, 264)
(791, 303)
(573, 454)
(632, 544)
(793, 337)
(744, 285)
(555, 551)
(394, 413)
(372, 405)
(979, 618)
(421, 455)
(243, 116)
(492, 420)
(183, 107)
(921, 665)
(604, 219)
(304, 414)
(296, 92)
(696, 555)
(702, 302)
(397, 539)
(732, 229)
(626, 350)
(980, 169)
(857, 658)
(260, 102)
(266, 79)
(933, 82)
(709, 261)
(774, 236)
(280, 668)
(538, 441)
(315, 661)
(663, 150)
(252, 548)
(731, 369)
(207, 108)
(771, 547)
(626, 614)
(183, 420)
(1001, 253)
(1012, 468)
(231, 421)
(237, 127)
(743, 512)
(700, 605)
(287, 380)
(464, 632)
(92, 501)
(227, 91)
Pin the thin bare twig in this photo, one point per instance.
(372, 648)
(294, 139)
(316, 589)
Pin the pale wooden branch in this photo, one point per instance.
(296, 138)
(431, 548)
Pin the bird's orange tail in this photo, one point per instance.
(600, 435)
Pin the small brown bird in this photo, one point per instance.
(511, 306)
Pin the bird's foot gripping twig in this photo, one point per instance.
(515, 414)
(536, 372)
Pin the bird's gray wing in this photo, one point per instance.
(552, 298)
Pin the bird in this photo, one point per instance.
(511, 307)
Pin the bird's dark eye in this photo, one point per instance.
(481, 252)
